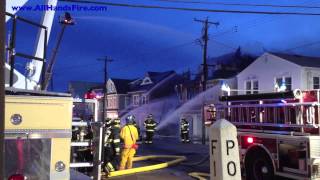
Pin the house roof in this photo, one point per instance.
(79, 88)
(155, 77)
(223, 74)
(122, 85)
(159, 76)
(304, 61)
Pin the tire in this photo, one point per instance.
(258, 166)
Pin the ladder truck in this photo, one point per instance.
(278, 132)
(37, 122)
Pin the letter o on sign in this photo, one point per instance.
(232, 169)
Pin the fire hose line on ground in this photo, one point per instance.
(199, 175)
(177, 159)
(203, 160)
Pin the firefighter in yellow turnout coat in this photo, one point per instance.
(129, 134)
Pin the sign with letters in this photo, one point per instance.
(224, 151)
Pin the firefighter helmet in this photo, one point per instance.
(150, 116)
(116, 121)
(130, 119)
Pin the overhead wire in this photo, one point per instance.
(238, 4)
(303, 45)
(256, 22)
(192, 9)
(139, 60)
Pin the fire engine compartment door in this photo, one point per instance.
(293, 156)
(30, 157)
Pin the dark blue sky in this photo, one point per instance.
(141, 40)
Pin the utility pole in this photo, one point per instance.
(204, 43)
(106, 60)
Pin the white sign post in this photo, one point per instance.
(224, 151)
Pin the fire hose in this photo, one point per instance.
(199, 175)
(206, 158)
(177, 159)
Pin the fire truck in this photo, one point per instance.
(278, 132)
(37, 122)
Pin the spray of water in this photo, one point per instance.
(197, 102)
(159, 108)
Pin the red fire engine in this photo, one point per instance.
(278, 133)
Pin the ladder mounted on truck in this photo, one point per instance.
(293, 111)
(86, 145)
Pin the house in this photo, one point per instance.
(117, 97)
(153, 85)
(79, 88)
(272, 70)
(154, 93)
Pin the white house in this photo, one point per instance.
(273, 70)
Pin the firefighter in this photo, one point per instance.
(150, 126)
(85, 154)
(129, 134)
(112, 146)
(108, 123)
(184, 130)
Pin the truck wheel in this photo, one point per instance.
(258, 166)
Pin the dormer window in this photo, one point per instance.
(110, 87)
(146, 81)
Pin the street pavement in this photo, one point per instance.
(197, 160)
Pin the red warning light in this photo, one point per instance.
(250, 140)
(16, 177)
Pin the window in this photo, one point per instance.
(248, 87)
(111, 102)
(114, 102)
(144, 99)
(278, 83)
(126, 101)
(110, 88)
(136, 100)
(252, 87)
(316, 82)
(146, 81)
(287, 81)
(255, 87)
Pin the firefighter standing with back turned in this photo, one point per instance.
(184, 130)
(112, 146)
(150, 126)
(129, 134)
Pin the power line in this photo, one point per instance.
(140, 60)
(252, 23)
(303, 45)
(225, 45)
(192, 9)
(78, 66)
(240, 4)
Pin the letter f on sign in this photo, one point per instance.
(212, 145)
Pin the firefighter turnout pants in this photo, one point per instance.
(111, 159)
(127, 158)
(149, 137)
(185, 136)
